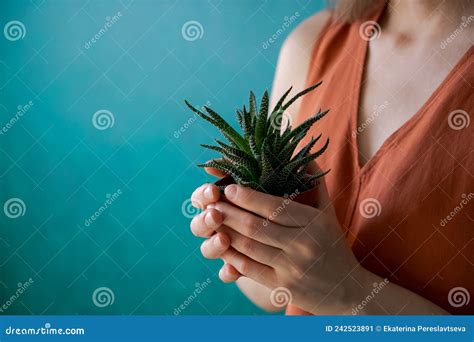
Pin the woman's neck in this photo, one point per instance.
(425, 18)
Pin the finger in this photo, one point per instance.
(254, 226)
(228, 273)
(250, 268)
(215, 246)
(204, 195)
(274, 208)
(260, 252)
(206, 223)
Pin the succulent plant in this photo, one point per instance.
(264, 157)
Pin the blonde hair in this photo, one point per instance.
(353, 10)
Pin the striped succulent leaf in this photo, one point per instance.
(265, 157)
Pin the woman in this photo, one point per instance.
(394, 229)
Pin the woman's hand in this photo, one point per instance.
(208, 222)
(268, 242)
(280, 243)
(205, 225)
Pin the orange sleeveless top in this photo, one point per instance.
(408, 213)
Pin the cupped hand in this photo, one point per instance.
(208, 224)
(281, 243)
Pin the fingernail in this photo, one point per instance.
(209, 220)
(218, 242)
(230, 191)
(208, 192)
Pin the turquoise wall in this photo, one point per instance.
(94, 214)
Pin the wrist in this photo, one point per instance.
(363, 295)
(347, 296)
(354, 289)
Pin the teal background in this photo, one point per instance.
(62, 167)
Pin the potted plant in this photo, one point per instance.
(264, 157)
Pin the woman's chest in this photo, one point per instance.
(395, 87)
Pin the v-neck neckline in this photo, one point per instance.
(407, 125)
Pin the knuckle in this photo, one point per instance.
(296, 272)
(307, 247)
(245, 267)
(248, 246)
(270, 212)
(250, 223)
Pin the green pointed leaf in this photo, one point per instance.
(281, 100)
(264, 157)
(304, 127)
(301, 93)
(252, 104)
(288, 150)
(261, 125)
(240, 118)
(231, 133)
(307, 148)
(315, 177)
(226, 167)
(296, 163)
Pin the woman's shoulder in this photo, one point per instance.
(310, 29)
(295, 56)
(299, 44)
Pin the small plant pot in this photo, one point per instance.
(308, 197)
(223, 182)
